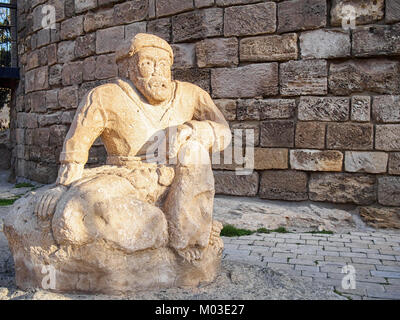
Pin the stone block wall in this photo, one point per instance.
(324, 102)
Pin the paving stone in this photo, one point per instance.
(304, 262)
(314, 274)
(280, 266)
(303, 267)
(250, 19)
(381, 256)
(301, 15)
(353, 254)
(366, 261)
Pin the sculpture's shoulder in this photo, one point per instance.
(112, 89)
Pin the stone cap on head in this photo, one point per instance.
(140, 41)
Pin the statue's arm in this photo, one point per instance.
(87, 126)
(209, 125)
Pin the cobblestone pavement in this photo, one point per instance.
(375, 257)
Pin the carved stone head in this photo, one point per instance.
(148, 60)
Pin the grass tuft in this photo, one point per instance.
(231, 231)
(24, 185)
(7, 202)
(321, 232)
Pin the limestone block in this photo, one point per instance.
(316, 160)
(98, 20)
(203, 3)
(377, 40)
(52, 54)
(387, 137)
(245, 82)
(85, 46)
(55, 74)
(283, 185)
(270, 158)
(389, 191)
(257, 109)
(225, 3)
(106, 66)
(184, 55)
(37, 101)
(277, 133)
(350, 136)
(72, 28)
(394, 163)
(303, 78)
(108, 40)
(379, 76)
(301, 15)
(200, 77)
(52, 99)
(72, 73)
(130, 11)
(360, 108)
(161, 28)
(370, 162)
(381, 217)
(230, 183)
(392, 11)
(240, 130)
(197, 24)
(325, 44)
(227, 107)
(310, 135)
(171, 7)
(133, 29)
(37, 79)
(324, 109)
(386, 109)
(66, 51)
(342, 188)
(269, 48)
(68, 97)
(365, 11)
(250, 19)
(46, 120)
(84, 5)
(217, 52)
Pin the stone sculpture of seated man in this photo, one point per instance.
(144, 219)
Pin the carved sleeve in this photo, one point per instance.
(209, 124)
(89, 122)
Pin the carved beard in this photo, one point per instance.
(155, 89)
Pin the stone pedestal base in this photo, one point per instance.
(96, 267)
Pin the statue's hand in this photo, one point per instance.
(46, 204)
(182, 134)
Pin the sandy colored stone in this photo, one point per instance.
(283, 185)
(364, 11)
(386, 109)
(217, 52)
(375, 75)
(245, 82)
(227, 107)
(203, 3)
(277, 133)
(316, 160)
(185, 55)
(98, 20)
(349, 136)
(250, 19)
(171, 7)
(323, 109)
(392, 11)
(371, 162)
(133, 29)
(143, 220)
(387, 137)
(270, 158)
(325, 44)
(360, 108)
(310, 135)
(130, 11)
(303, 78)
(342, 188)
(161, 28)
(389, 191)
(394, 163)
(231, 183)
(257, 109)
(381, 217)
(199, 77)
(376, 41)
(269, 48)
(301, 15)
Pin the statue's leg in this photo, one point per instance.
(189, 203)
(107, 208)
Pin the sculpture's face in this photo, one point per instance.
(151, 74)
